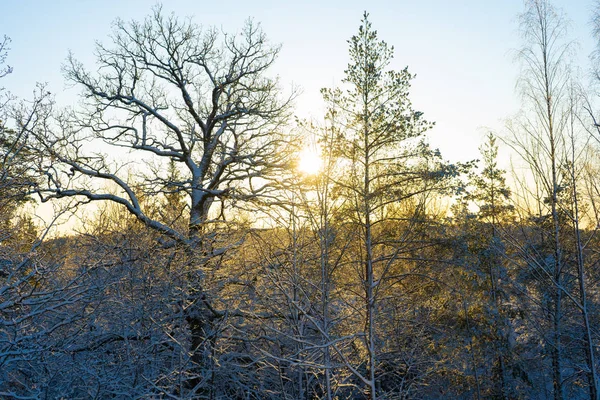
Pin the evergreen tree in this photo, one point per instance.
(388, 162)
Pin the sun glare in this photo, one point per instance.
(309, 162)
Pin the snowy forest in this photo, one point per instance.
(203, 242)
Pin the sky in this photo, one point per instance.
(462, 52)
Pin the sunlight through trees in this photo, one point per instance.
(223, 249)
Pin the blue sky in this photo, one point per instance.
(459, 50)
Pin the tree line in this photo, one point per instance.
(211, 267)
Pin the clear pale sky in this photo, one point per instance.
(459, 50)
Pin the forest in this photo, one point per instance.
(224, 248)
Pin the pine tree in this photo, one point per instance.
(491, 195)
(387, 162)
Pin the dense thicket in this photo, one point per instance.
(211, 267)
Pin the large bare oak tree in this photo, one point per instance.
(198, 110)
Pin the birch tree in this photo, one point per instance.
(541, 139)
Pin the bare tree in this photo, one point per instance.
(576, 215)
(6, 69)
(172, 92)
(541, 138)
(39, 300)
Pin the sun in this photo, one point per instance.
(309, 162)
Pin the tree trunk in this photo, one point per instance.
(202, 341)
